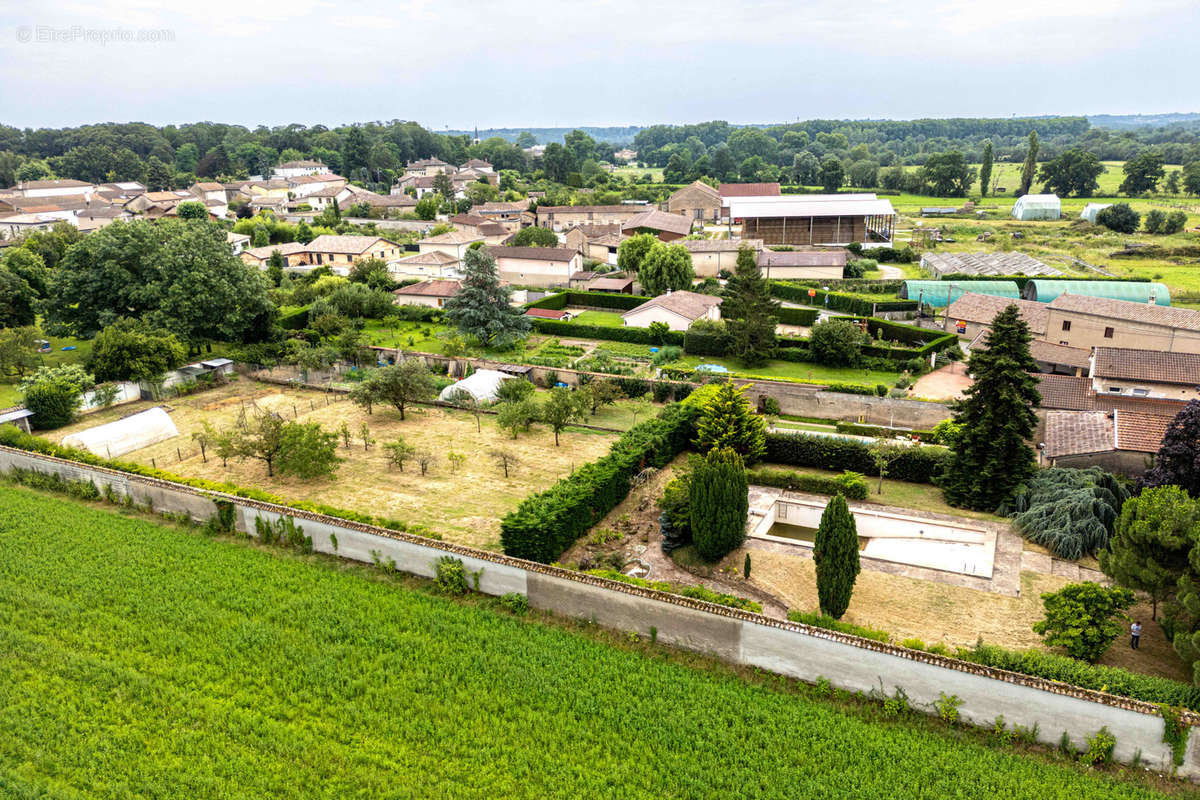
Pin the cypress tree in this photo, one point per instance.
(728, 421)
(749, 312)
(718, 502)
(992, 455)
(1029, 168)
(985, 169)
(835, 552)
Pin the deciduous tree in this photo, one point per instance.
(985, 169)
(54, 394)
(562, 407)
(129, 350)
(1148, 551)
(1073, 172)
(1142, 173)
(1178, 459)
(307, 450)
(667, 267)
(401, 385)
(1029, 167)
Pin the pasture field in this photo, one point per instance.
(465, 504)
(140, 660)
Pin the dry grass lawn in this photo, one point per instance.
(937, 612)
(465, 506)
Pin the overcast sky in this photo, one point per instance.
(453, 63)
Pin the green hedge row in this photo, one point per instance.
(837, 300)
(850, 484)
(635, 335)
(559, 301)
(880, 432)
(797, 316)
(816, 620)
(914, 464)
(547, 523)
(685, 590)
(12, 436)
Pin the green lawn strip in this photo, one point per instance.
(140, 660)
(604, 319)
(795, 371)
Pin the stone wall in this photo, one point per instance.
(735, 636)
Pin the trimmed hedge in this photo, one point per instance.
(12, 436)
(880, 432)
(837, 300)
(850, 484)
(559, 301)
(574, 330)
(815, 620)
(914, 464)
(705, 344)
(797, 316)
(547, 523)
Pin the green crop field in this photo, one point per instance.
(138, 660)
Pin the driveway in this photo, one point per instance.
(947, 383)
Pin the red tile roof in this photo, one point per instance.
(748, 189)
(1142, 433)
(1065, 392)
(430, 289)
(545, 313)
(1152, 366)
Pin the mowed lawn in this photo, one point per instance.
(464, 504)
(138, 660)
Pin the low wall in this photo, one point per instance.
(735, 636)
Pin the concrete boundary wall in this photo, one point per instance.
(736, 636)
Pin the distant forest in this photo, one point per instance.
(375, 153)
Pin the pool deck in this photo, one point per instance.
(1009, 560)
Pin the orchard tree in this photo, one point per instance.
(718, 503)
(991, 456)
(517, 416)
(1082, 618)
(259, 437)
(307, 451)
(727, 422)
(749, 311)
(398, 452)
(561, 408)
(666, 268)
(482, 308)
(1178, 459)
(602, 392)
(18, 350)
(1148, 551)
(835, 554)
(401, 385)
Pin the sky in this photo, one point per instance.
(458, 64)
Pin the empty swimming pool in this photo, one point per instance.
(885, 535)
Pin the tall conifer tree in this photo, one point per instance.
(835, 551)
(749, 312)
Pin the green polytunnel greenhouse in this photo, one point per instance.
(940, 294)
(1134, 291)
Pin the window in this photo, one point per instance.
(1115, 389)
(1108, 333)
(1066, 324)
(1140, 392)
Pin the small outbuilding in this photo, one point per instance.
(1037, 206)
(482, 385)
(134, 432)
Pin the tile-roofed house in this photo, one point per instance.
(748, 189)
(1140, 432)
(613, 285)
(1158, 406)
(291, 251)
(978, 310)
(293, 169)
(1145, 374)
(1082, 321)
(454, 243)
(697, 201)
(1065, 392)
(827, 264)
(479, 164)
(536, 266)
(1060, 358)
(1074, 433)
(48, 188)
(677, 309)
(432, 264)
(667, 227)
(561, 218)
(432, 293)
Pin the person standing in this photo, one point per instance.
(1135, 634)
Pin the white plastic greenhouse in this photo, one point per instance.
(134, 432)
(1037, 206)
(482, 386)
(1091, 210)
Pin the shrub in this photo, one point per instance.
(837, 343)
(451, 575)
(685, 590)
(1082, 618)
(547, 523)
(54, 394)
(817, 620)
(1119, 217)
(850, 484)
(1069, 511)
(1100, 748)
(914, 465)
(555, 327)
(515, 603)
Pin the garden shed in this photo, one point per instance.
(1091, 210)
(1131, 291)
(134, 432)
(940, 294)
(482, 385)
(1037, 206)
